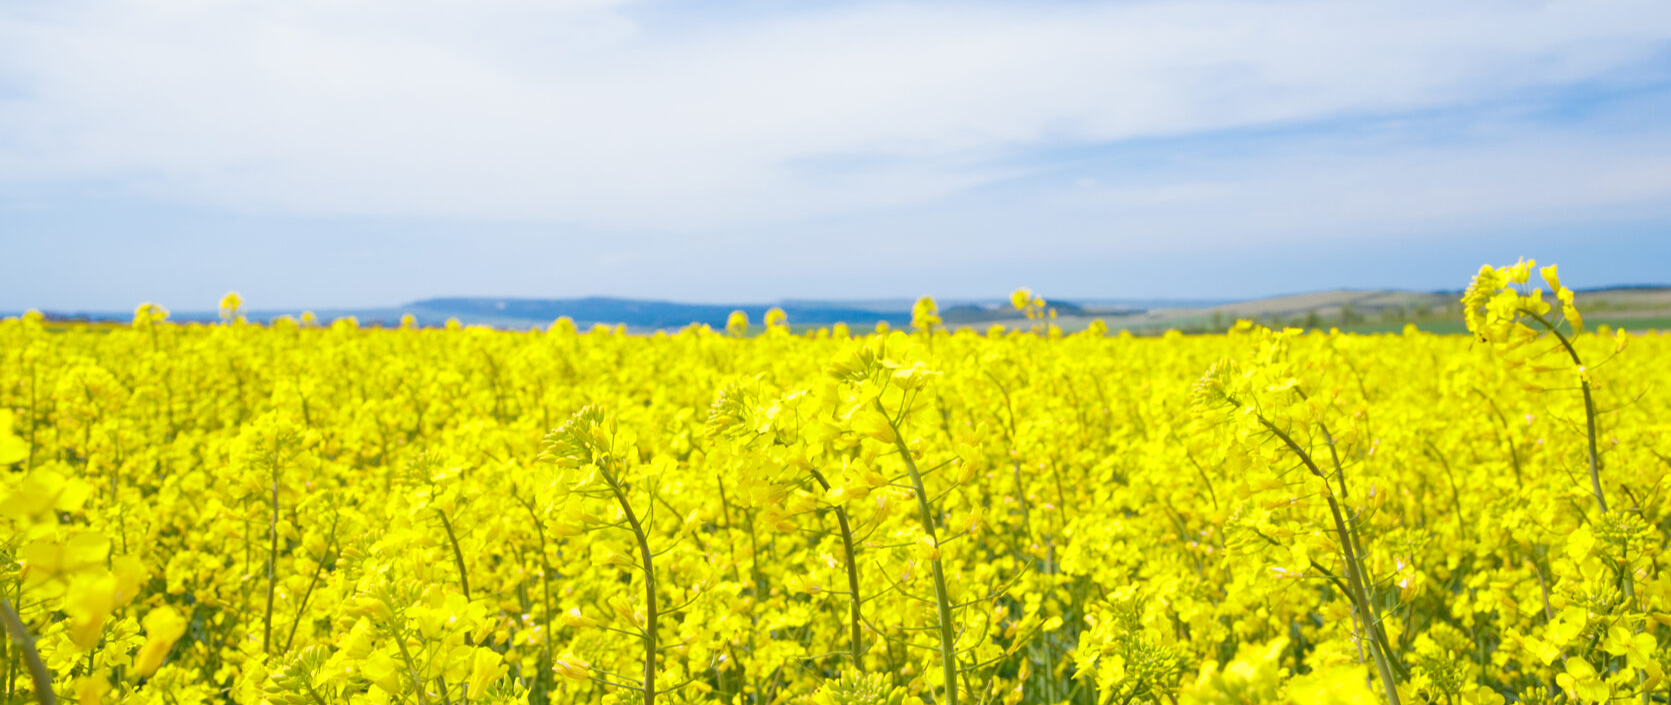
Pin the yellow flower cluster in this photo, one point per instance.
(299, 513)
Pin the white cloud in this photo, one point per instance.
(585, 112)
(1307, 187)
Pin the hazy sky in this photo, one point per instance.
(333, 153)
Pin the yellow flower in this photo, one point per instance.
(872, 423)
(1552, 276)
(1340, 685)
(130, 574)
(163, 627)
(913, 377)
(90, 690)
(12, 448)
(1583, 683)
(231, 305)
(575, 619)
(486, 666)
(1570, 310)
(925, 549)
(569, 666)
(1638, 649)
(737, 324)
(382, 669)
(148, 315)
(50, 559)
(925, 315)
(88, 602)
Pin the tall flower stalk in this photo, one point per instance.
(593, 442)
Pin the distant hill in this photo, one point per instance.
(1638, 307)
(645, 314)
(969, 315)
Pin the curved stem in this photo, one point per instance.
(272, 557)
(318, 570)
(1508, 435)
(1354, 575)
(649, 591)
(458, 555)
(1589, 410)
(1345, 492)
(1456, 497)
(948, 641)
(853, 598)
(411, 667)
(1627, 582)
(26, 643)
(541, 686)
(1595, 458)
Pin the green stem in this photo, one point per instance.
(272, 557)
(948, 641)
(1595, 458)
(1626, 580)
(411, 666)
(318, 570)
(1508, 435)
(26, 643)
(854, 601)
(1589, 411)
(1354, 576)
(540, 692)
(458, 555)
(649, 591)
(1456, 497)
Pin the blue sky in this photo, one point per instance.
(341, 153)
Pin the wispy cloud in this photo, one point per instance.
(336, 152)
(627, 116)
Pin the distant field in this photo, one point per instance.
(1359, 311)
(1654, 323)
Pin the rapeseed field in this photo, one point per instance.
(311, 514)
